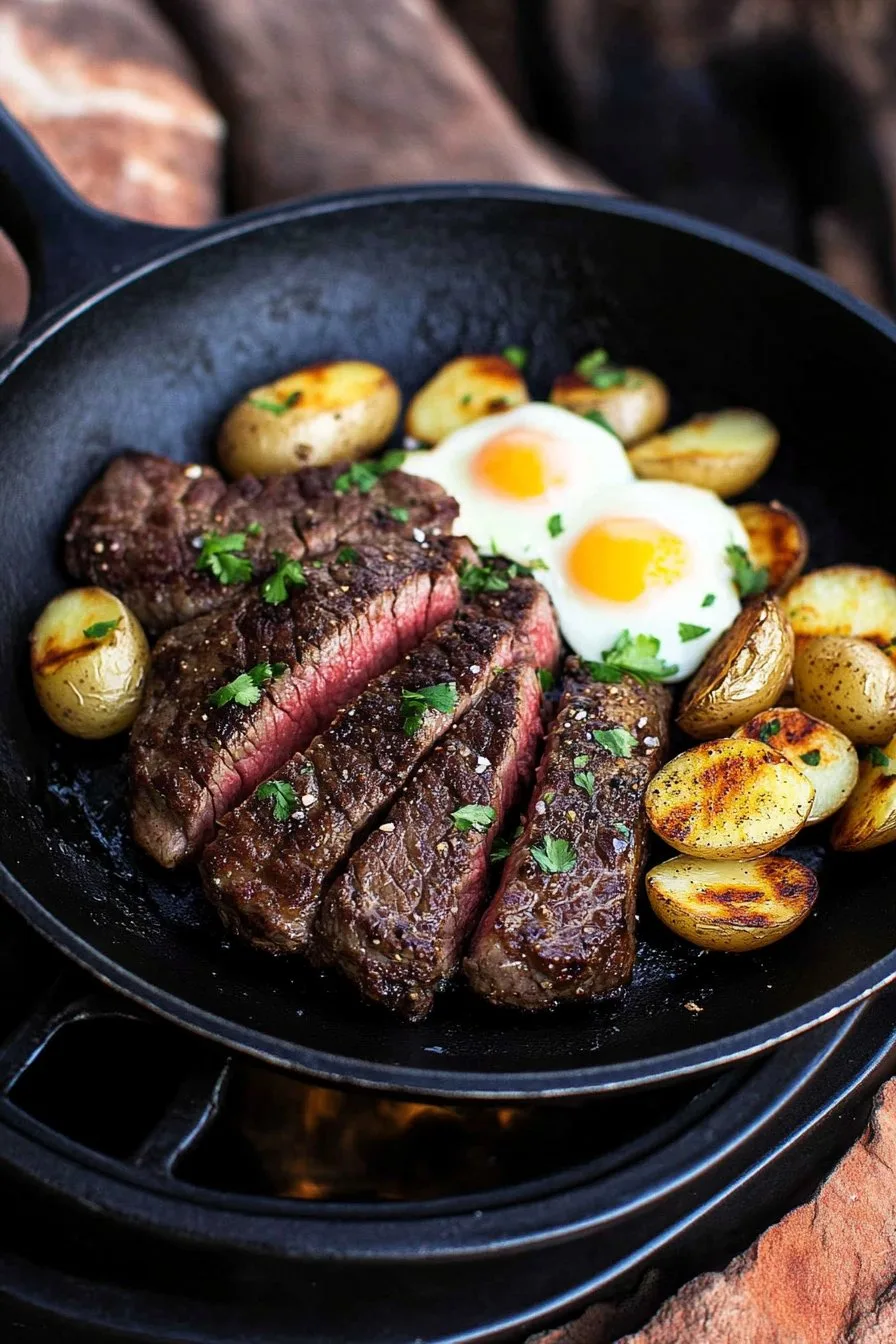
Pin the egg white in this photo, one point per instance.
(589, 457)
(591, 624)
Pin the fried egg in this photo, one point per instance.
(512, 472)
(650, 558)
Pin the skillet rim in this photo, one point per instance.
(341, 1069)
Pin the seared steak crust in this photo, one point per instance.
(552, 936)
(396, 920)
(266, 876)
(192, 762)
(136, 531)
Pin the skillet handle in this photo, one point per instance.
(66, 244)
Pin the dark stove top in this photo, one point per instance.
(153, 1188)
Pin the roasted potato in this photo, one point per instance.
(869, 817)
(89, 660)
(337, 412)
(736, 906)
(732, 799)
(778, 541)
(745, 672)
(726, 451)
(632, 409)
(821, 751)
(845, 600)
(464, 390)
(849, 683)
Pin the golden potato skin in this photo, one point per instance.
(633, 409)
(849, 683)
(845, 600)
(869, 817)
(778, 541)
(89, 687)
(464, 390)
(731, 799)
(733, 906)
(798, 735)
(726, 451)
(336, 412)
(745, 672)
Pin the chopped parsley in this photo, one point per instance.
(617, 741)
(878, 757)
(769, 729)
(638, 656)
(347, 555)
(466, 399)
(624, 831)
(584, 779)
(364, 475)
(254, 530)
(414, 704)
(399, 514)
(688, 632)
(515, 355)
(554, 856)
(546, 677)
(473, 817)
(283, 794)
(221, 557)
(747, 578)
(482, 579)
(555, 525)
(579, 761)
(596, 369)
(246, 688)
(811, 757)
(708, 600)
(597, 418)
(101, 628)
(275, 407)
(500, 849)
(288, 574)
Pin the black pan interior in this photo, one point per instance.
(409, 282)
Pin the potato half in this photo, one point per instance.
(732, 799)
(849, 683)
(778, 541)
(464, 390)
(869, 817)
(736, 906)
(845, 600)
(726, 451)
(89, 659)
(337, 412)
(632, 409)
(744, 672)
(818, 749)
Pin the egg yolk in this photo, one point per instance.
(620, 558)
(517, 463)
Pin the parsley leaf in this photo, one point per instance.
(254, 530)
(482, 579)
(347, 555)
(466, 399)
(555, 525)
(638, 655)
(515, 355)
(546, 677)
(473, 817)
(554, 856)
(283, 794)
(579, 761)
(769, 729)
(500, 849)
(598, 419)
(101, 628)
(584, 779)
(688, 632)
(275, 407)
(288, 574)
(878, 757)
(596, 369)
(617, 741)
(708, 600)
(364, 475)
(220, 556)
(399, 514)
(624, 831)
(246, 688)
(414, 704)
(811, 757)
(747, 578)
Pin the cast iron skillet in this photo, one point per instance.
(165, 330)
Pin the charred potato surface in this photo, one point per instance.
(777, 539)
(726, 451)
(821, 751)
(855, 600)
(869, 817)
(464, 390)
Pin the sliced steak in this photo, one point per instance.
(266, 876)
(549, 936)
(138, 529)
(396, 920)
(191, 763)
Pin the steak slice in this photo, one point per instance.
(266, 876)
(396, 920)
(137, 530)
(191, 762)
(549, 936)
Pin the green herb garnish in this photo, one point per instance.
(246, 688)
(347, 555)
(597, 418)
(617, 741)
(638, 656)
(254, 530)
(708, 600)
(554, 856)
(579, 761)
(769, 730)
(878, 757)
(811, 757)
(275, 407)
(747, 578)
(220, 555)
(414, 704)
(466, 399)
(283, 794)
(555, 525)
(288, 574)
(364, 475)
(624, 831)
(515, 355)
(546, 677)
(482, 579)
(596, 369)
(474, 817)
(399, 514)
(101, 628)
(584, 779)
(688, 632)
